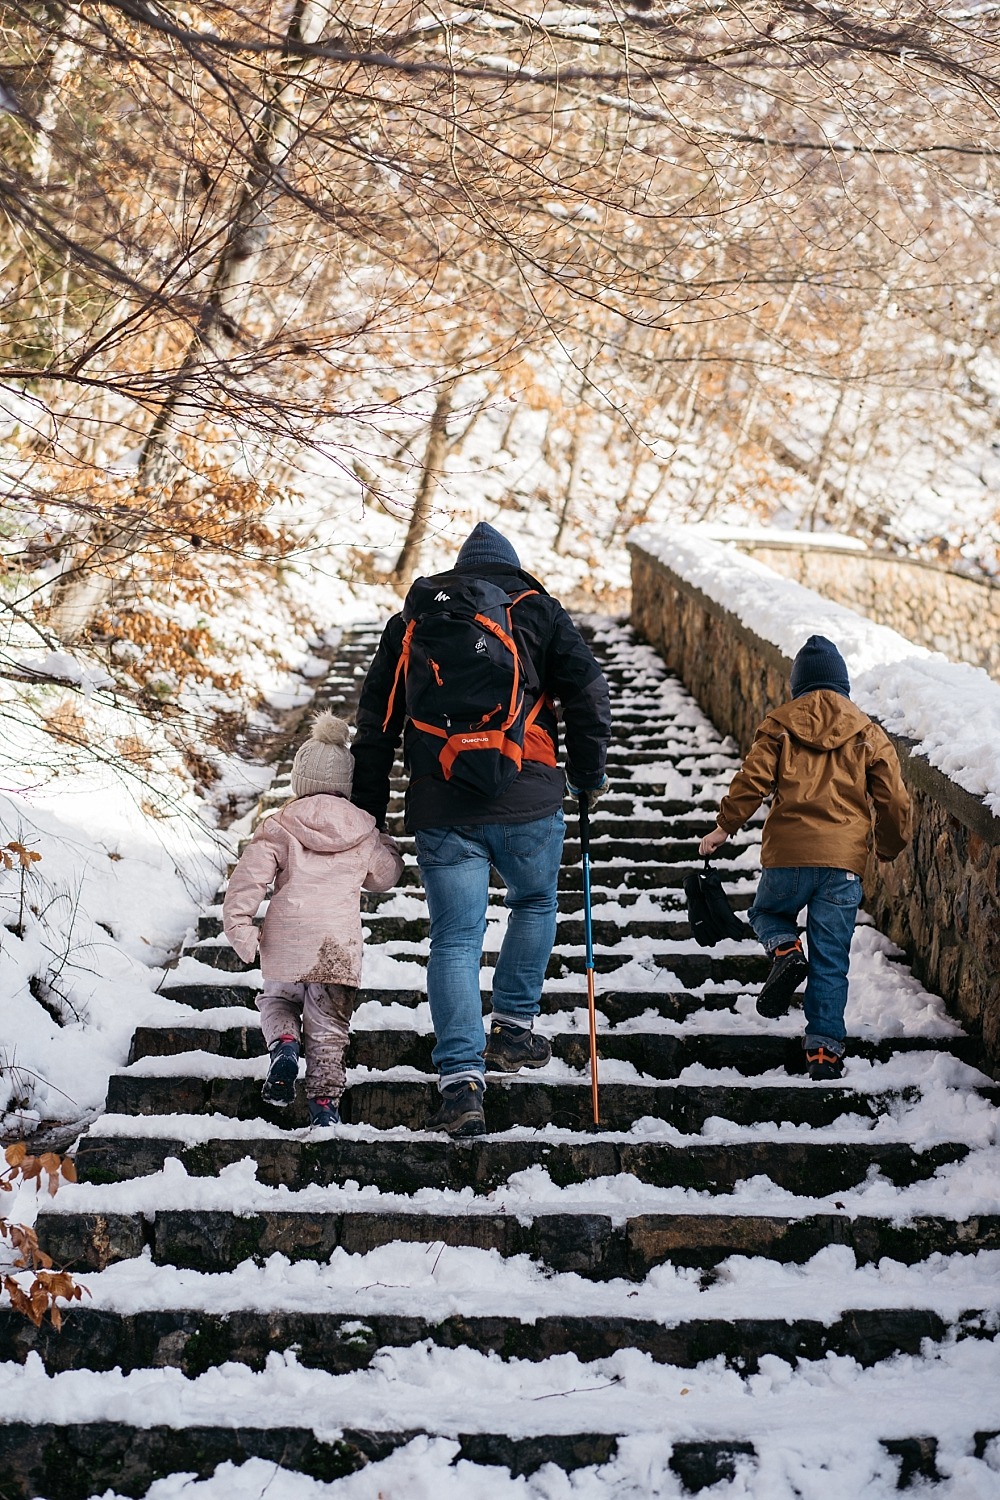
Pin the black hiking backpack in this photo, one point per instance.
(709, 912)
(465, 683)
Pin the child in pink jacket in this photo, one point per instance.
(319, 852)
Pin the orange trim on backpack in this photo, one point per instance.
(488, 739)
(508, 641)
(402, 666)
(487, 717)
(538, 744)
(442, 734)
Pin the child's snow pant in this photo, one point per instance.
(318, 1016)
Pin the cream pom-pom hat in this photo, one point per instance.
(324, 763)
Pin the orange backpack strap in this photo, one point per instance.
(401, 668)
(538, 744)
(528, 593)
(508, 640)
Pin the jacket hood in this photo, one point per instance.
(514, 580)
(823, 719)
(325, 822)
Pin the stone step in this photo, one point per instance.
(194, 1340)
(388, 929)
(814, 1168)
(74, 1461)
(663, 914)
(655, 1054)
(691, 969)
(649, 832)
(511, 1103)
(606, 849)
(613, 1005)
(671, 903)
(607, 876)
(586, 1244)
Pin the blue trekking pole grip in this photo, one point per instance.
(588, 934)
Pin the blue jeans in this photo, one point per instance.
(831, 898)
(455, 865)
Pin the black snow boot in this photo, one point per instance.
(788, 969)
(510, 1048)
(279, 1085)
(461, 1112)
(323, 1111)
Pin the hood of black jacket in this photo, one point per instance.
(514, 580)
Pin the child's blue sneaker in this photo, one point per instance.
(279, 1085)
(323, 1112)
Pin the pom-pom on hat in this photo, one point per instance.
(819, 665)
(485, 547)
(324, 763)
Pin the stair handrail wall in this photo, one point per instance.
(940, 900)
(935, 605)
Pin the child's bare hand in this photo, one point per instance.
(711, 842)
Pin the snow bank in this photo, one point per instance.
(951, 711)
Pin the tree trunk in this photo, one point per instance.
(249, 231)
(65, 58)
(575, 454)
(574, 464)
(434, 456)
(86, 584)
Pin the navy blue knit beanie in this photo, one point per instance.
(486, 548)
(819, 665)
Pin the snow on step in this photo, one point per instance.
(735, 1266)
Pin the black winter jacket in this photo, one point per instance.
(567, 671)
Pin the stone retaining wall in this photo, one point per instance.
(931, 605)
(940, 900)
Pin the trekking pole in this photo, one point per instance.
(589, 939)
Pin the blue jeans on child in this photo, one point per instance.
(831, 898)
(455, 865)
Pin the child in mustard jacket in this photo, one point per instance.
(837, 794)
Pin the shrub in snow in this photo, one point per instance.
(41, 1294)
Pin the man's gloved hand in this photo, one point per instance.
(590, 792)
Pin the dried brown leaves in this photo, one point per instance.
(47, 1285)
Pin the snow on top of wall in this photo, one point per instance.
(949, 709)
(771, 536)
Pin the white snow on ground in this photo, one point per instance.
(103, 909)
(949, 709)
(443, 1281)
(654, 1405)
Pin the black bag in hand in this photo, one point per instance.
(709, 912)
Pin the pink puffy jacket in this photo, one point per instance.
(319, 851)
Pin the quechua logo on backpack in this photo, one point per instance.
(464, 682)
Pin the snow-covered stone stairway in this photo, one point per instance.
(737, 1264)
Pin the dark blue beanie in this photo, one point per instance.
(486, 548)
(819, 665)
